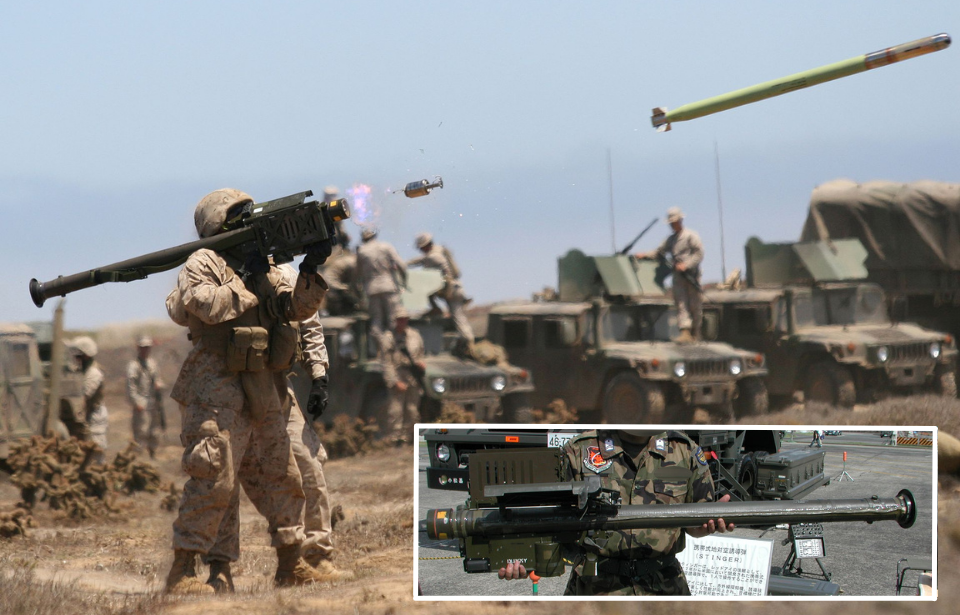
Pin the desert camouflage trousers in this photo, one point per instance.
(668, 581)
(146, 426)
(309, 454)
(98, 421)
(382, 308)
(689, 302)
(218, 458)
(454, 298)
(404, 410)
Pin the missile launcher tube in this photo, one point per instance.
(442, 524)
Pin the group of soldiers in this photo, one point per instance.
(373, 278)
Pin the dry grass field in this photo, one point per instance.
(115, 563)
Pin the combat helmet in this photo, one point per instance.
(85, 346)
(423, 240)
(211, 212)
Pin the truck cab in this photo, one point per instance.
(606, 346)
(825, 332)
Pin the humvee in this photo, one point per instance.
(25, 385)
(357, 389)
(824, 332)
(606, 346)
(746, 463)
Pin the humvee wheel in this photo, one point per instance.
(830, 383)
(516, 408)
(945, 383)
(752, 398)
(628, 399)
(376, 406)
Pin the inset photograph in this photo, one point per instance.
(666, 512)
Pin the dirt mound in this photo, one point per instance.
(61, 473)
(15, 522)
(556, 412)
(348, 437)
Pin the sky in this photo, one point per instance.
(117, 117)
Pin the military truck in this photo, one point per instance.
(824, 330)
(606, 346)
(27, 406)
(492, 392)
(911, 232)
(746, 463)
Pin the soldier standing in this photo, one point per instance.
(403, 371)
(96, 415)
(381, 274)
(686, 254)
(144, 390)
(435, 256)
(646, 467)
(340, 272)
(239, 310)
(308, 451)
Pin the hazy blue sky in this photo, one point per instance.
(116, 117)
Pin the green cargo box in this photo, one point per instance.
(790, 475)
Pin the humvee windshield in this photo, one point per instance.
(848, 306)
(640, 323)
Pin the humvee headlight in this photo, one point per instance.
(498, 383)
(736, 367)
(680, 369)
(439, 385)
(883, 353)
(443, 453)
(935, 350)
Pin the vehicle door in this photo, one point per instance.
(21, 399)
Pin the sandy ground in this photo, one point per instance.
(117, 564)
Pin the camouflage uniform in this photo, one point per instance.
(686, 248)
(378, 267)
(399, 356)
(340, 273)
(222, 408)
(438, 257)
(308, 452)
(669, 469)
(143, 387)
(98, 419)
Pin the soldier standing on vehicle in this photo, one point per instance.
(232, 387)
(381, 274)
(435, 256)
(308, 451)
(144, 390)
(686, 253)
(340, 272)
(97, 418)
(403, 371)
(646, 467)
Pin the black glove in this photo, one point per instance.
(317, 401)
(317, 254)
(253, 264)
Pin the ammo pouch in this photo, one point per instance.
(284, 345)
(247, 349)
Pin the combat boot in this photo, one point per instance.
(182, 579)
(293, 570)
(220, 578)
(328, 571)
(684, 337)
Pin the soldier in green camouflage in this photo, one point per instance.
(646, 467)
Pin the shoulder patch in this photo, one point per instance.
(594, 461)
(701, 458)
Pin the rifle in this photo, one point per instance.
(626, 249)
(161, 411)
(542, 525)
(281, 228)
(670, 266)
